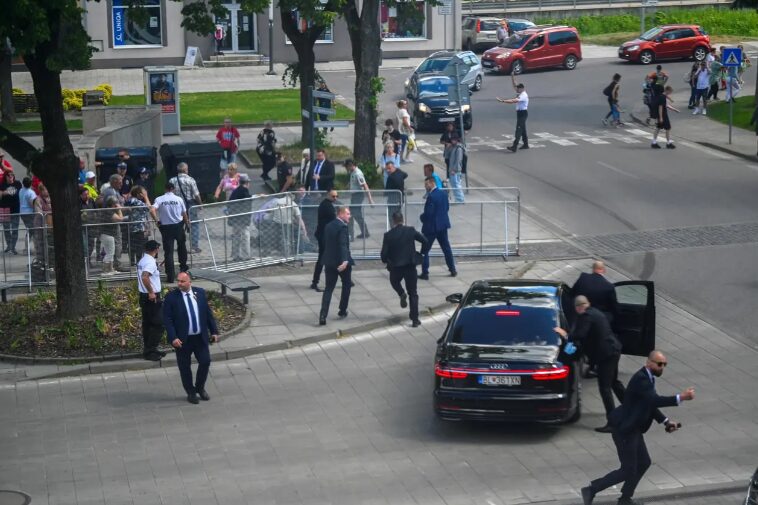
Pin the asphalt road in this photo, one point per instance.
(584, 179)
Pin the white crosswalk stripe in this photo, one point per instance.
(588, 138)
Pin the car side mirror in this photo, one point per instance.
(454, 298)
(470, 92)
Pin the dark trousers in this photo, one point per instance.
(693, 96)
(137, 241)
(269, 162)
(407, 274)
(441, 238)
(331, 283)
(10, 229)
(319, 262)
(634, 459)
(193, 345)
(356, 210)
(169, 234)
(713, 91)
(608, 382)
(521, 116)
(152, 323)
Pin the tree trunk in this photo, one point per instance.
(58, 168)
(303, 44)
(365, 40)
(7, 112)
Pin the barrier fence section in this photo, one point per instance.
(261, 230)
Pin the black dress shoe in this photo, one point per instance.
(424, 277)
(342, 315)
(152, 356)
(192, 398)
(403, 300)
(604, 429)
(203, 394)
(322, 321)
(415, 323)
(315, 287)
(587, 495)
(362, 236)
(628, 501)
(512, 149)
(453, 274)
(525, 146)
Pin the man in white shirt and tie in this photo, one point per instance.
(189, 320)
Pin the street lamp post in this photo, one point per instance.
(271, 39)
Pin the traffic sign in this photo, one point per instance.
(323, 94)
(445, 8)
(331, 124)
(731, 57)
(324, 110)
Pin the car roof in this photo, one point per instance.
(520, 20)
(545, 29)
(685, 25)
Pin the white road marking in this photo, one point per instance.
(617, 170)
(643, 133)
(545, 135)
(540, 241)
(562, 142)
(422, 143)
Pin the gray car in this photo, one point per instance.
(442, 62)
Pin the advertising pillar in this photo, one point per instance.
(162, 88)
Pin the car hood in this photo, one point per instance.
(633, 42)
(496, 51)
(436, 101)
(530, 354)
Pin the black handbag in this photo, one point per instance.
(418, 258)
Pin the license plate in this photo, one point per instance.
(488, 64)
(500, 380)
(621, 51)
(490, 35)
(447, 119)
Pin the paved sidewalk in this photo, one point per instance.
(348, 421)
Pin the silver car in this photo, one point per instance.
(442, 63)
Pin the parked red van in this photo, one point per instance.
(538, 47)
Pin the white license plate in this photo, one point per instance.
(487, 64)
(447, 119)
(500, 380)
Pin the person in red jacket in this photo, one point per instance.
(5, 166)
(229, 139)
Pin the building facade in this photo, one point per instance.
(412, 28)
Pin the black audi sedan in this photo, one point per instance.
(500, 359)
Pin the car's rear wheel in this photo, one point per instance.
(468, 123)
(517, 67)
(699, 53)
(570, 62)
(647, 57)
(478, 83)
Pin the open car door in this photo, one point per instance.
(634, 321)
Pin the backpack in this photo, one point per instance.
(609, 89)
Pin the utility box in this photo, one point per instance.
(162, 88)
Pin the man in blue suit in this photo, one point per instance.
(629, 422)
(434, 225)
(188, 320)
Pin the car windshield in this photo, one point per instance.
(433, 65)
(433, 87)
(515, 41)
(489, 25)
(508, 315)
(651, 33)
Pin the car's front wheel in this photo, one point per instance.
(468, 123)
(570, 62)
(699, 53)
(517, 67)
(647, 57)
(478, 83)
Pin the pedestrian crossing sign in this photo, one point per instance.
(731, 57)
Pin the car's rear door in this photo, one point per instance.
(683, 43)
(634, 321)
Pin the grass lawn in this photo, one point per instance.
(277, 105)
(35, 125)
(743, 111)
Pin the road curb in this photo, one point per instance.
(135, 365)
(697, 491)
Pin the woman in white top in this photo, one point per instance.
(388, 156)
(404, 127)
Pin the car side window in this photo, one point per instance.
(536, 42)
(671, 35)
(556, 38)
(471, 60)
(686, 33)
(469, 24)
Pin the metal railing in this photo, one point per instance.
(261, 230)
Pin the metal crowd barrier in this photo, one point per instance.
(262, 230)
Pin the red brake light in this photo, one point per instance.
(478, 25)
(449, 374)
(551, 374)
(505, 313)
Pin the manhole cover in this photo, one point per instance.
(14, 498)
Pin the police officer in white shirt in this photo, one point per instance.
(522, 104)
(171, 214)
(149, 284)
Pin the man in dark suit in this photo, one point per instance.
(326, 214)
(435, 223)
(320, 173)
(188, 320)
(599, 291)
(337, 263)
(395, 181)
(591, 325)
(399, 253)
(630, 421)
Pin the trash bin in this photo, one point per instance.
(145, 156)
(203, 158)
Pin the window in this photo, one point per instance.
(536, 42)
(470, 24)
(407, 20)
(559, 38)
(128, 33)
(685, 33)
